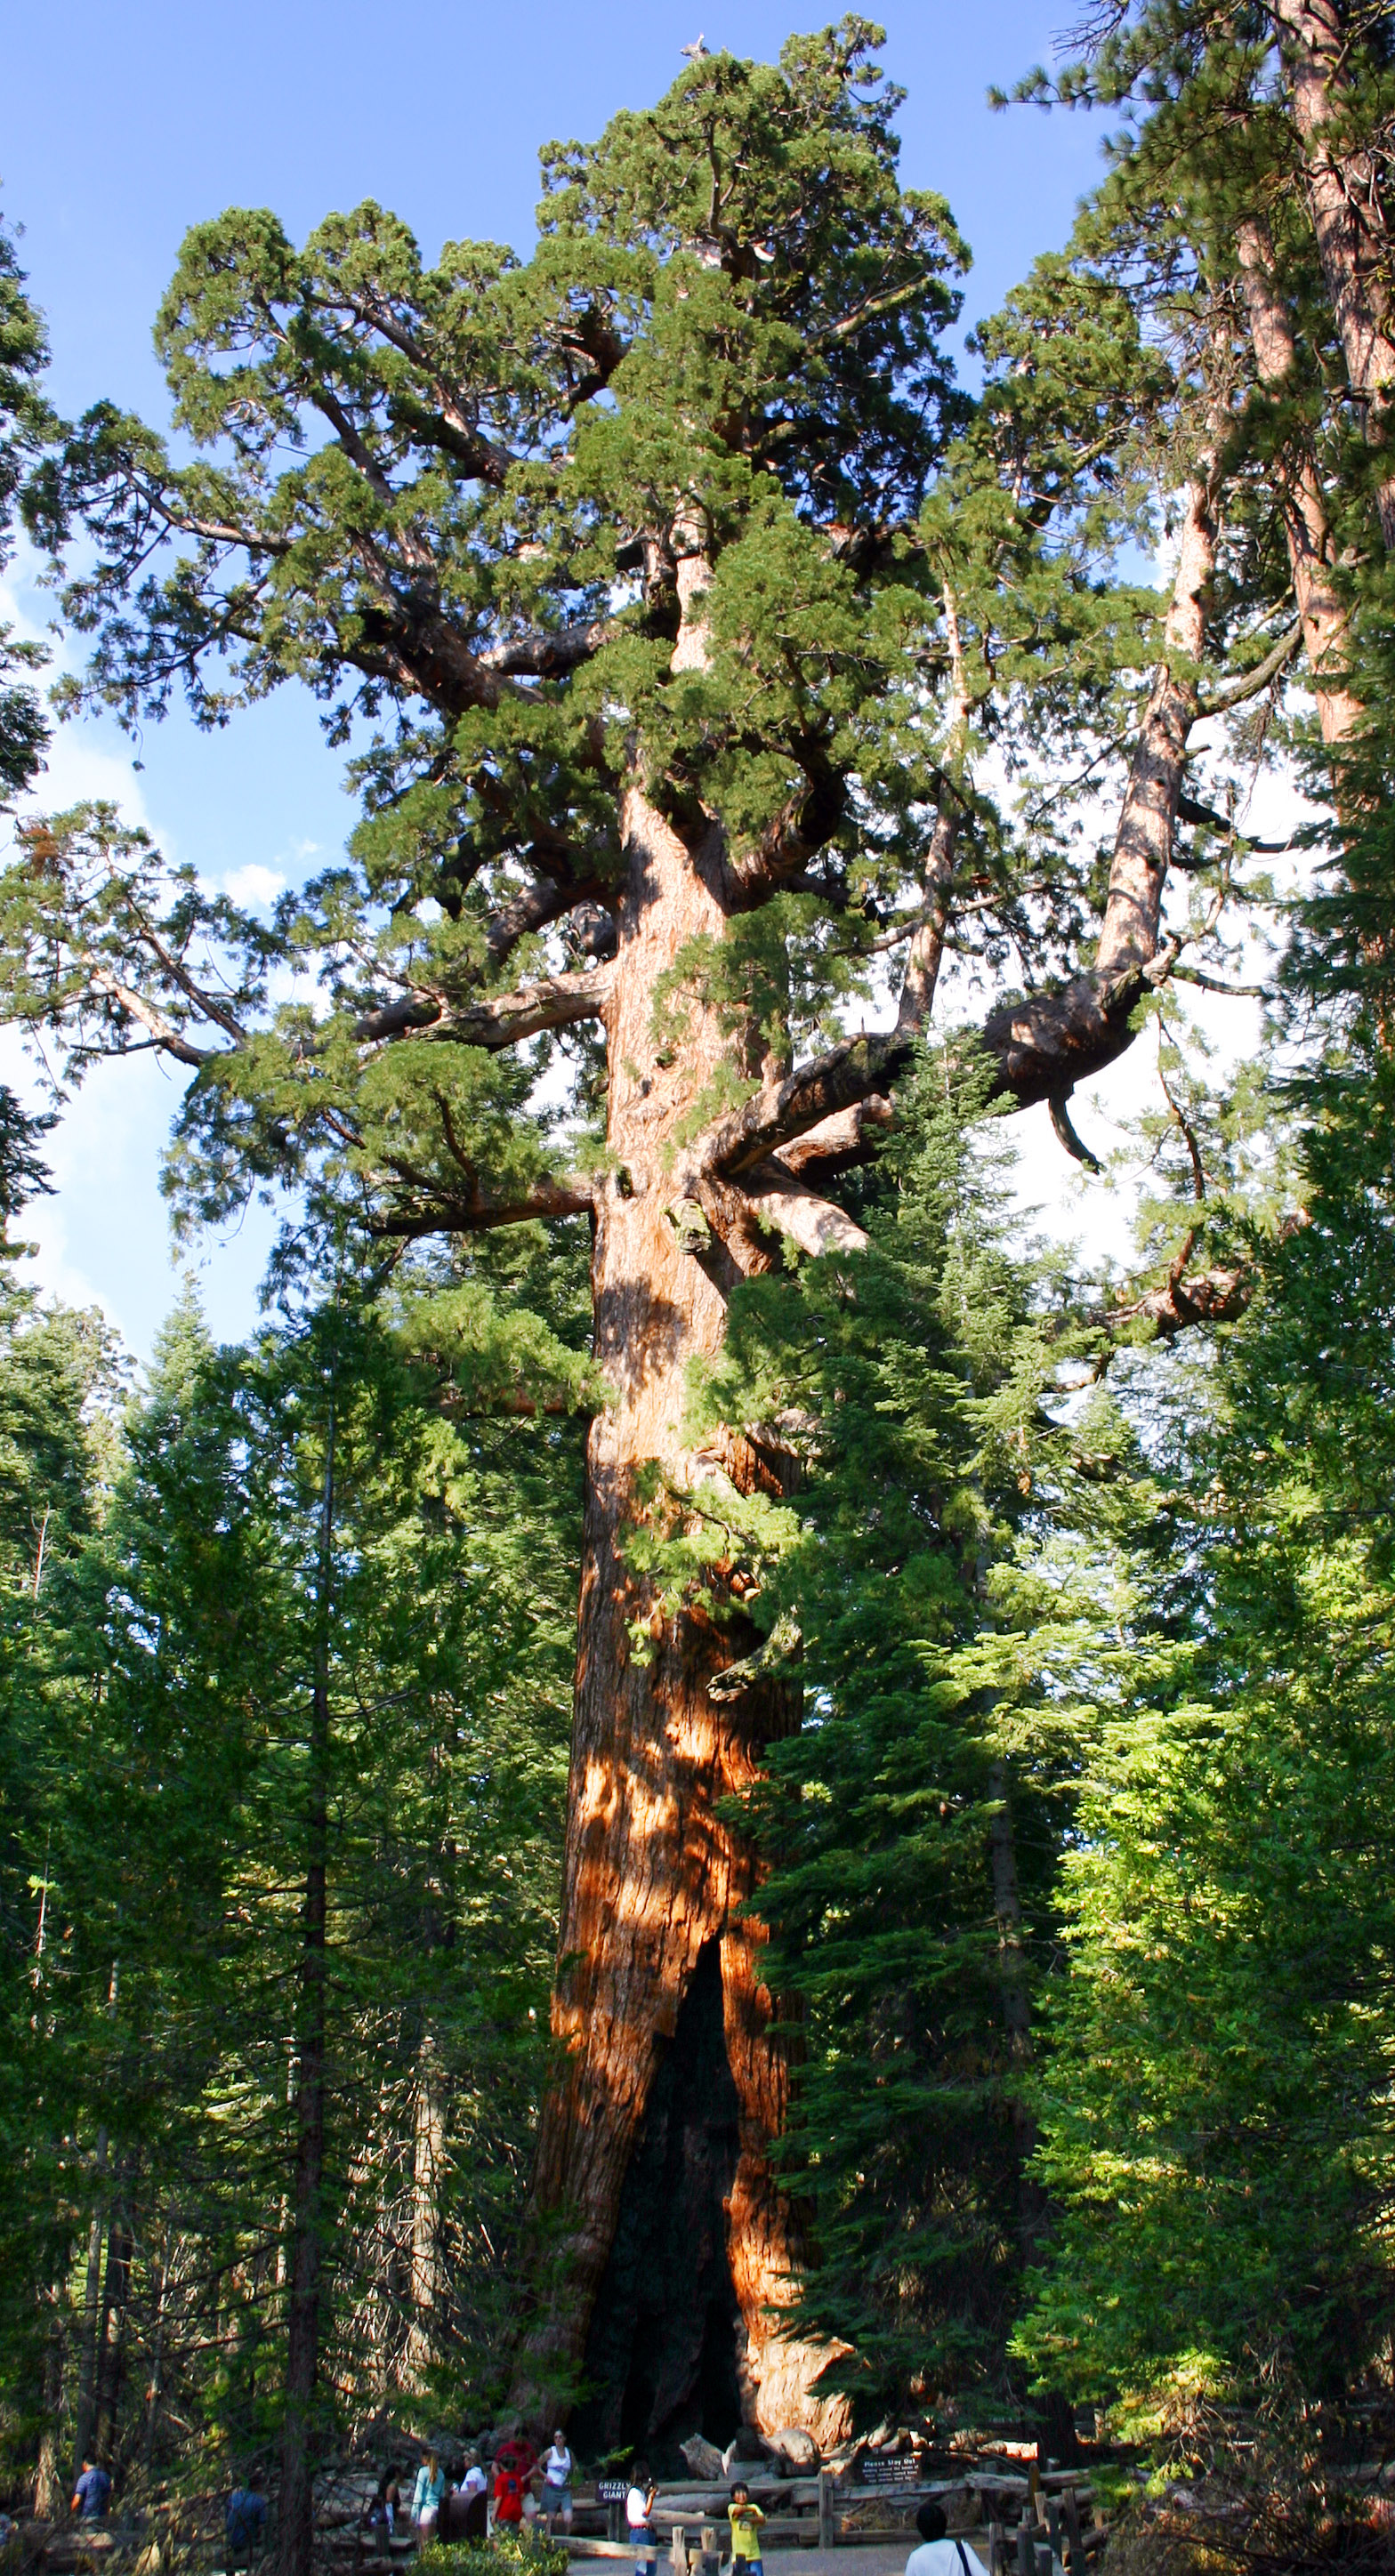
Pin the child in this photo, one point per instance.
(745, 2519)
(508, 2492)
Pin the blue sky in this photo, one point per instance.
(123, 125)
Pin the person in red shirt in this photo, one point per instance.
(508, 2492)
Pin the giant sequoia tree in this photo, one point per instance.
(669, 594)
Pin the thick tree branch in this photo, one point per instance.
(841, 1143)
(163, 1032)
(548, 652)
(500, 1020)
(1252, 684)
(1207, 1297)
(777, 1199)
(476, 1212)
(838, 1081)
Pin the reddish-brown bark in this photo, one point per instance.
(652, 1873)
(1311, 552)
(1348, 218)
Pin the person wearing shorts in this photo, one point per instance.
(426, 2499)
(557, 2483)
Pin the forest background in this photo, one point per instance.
(1076, 1874)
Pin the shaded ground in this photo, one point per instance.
(879, 2558)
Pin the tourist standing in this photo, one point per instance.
(745, 2519)
(639, 2504)
(557, 2483)
(92, 2494)
(936, 2555)
(426, 2499)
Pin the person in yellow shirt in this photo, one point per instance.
(745, 2519)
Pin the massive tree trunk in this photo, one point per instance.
(654, 1878)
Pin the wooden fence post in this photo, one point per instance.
(1026, 2548)
(678, 2550)
(1073, 2533)
(826, 2534)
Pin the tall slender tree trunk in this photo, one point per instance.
(1040, 1040)
(1345, 196)
(926, 952)
(155, 2386)
(85, 2417)
(428, 2168)
(111, 2336)
(296, 2522)
(48, 2485)
(653, 1874)
(1311, 554)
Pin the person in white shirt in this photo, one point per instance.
(557, 2483)
(639, 2504)
(472, 2521)
(937, 2556)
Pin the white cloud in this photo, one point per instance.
(254, 885)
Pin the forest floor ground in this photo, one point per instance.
(879, 2558)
